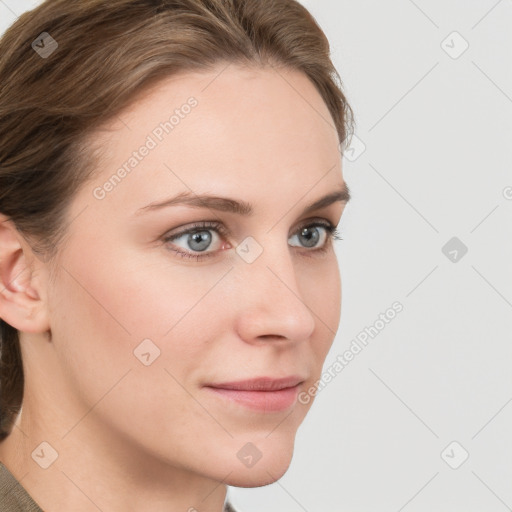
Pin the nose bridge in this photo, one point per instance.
(274, 303)
(270, 261)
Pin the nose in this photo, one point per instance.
(271, 304)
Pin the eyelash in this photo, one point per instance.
(332, 234)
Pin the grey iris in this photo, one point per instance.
(312, 239)
(204, 238)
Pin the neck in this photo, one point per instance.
(85, 470)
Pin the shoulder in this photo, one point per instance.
(13, 496)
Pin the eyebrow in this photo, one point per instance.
(238, 207)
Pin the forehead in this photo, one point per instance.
(221, 130)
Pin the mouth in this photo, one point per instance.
(263, 394)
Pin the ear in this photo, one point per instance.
(23, 278)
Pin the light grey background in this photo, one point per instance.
(436, 128)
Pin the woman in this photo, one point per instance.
(170, 186)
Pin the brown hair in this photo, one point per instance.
(106, 52)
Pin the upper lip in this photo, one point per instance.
(260, 384)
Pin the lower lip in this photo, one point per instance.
(263, 401)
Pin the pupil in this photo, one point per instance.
(311, 240)
(203, 238)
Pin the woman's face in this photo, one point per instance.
(140, 327)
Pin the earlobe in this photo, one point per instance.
(21, 282)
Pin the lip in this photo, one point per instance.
(263, 394)
(261, 384)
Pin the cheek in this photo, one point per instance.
(330, 298)
(105, 306)
(101, 314)
(322, 289)
(115, 308)
(110, 313)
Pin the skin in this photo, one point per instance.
(134, 437)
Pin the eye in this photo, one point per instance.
(310, 234)
(198, 238)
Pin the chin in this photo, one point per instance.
(265, 472)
